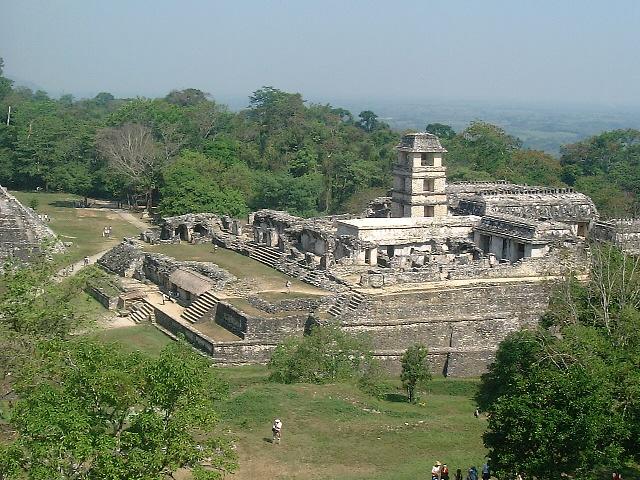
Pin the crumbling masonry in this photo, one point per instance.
(454, 266)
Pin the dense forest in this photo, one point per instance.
(186, 152)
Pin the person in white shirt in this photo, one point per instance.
(277, 431)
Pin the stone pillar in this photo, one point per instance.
(373, 257)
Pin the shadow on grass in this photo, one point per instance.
(65, 203)
(396, 397)
(267, 439)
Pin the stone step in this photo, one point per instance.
(141, 311)
(198, 309)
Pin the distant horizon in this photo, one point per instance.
(234, 100)
(543, 53)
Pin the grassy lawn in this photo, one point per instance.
(337, 432)
(238, 265)
(144, 337)
(81, 226)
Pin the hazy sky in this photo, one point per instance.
(527, 50)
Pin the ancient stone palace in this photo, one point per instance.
(454, 266)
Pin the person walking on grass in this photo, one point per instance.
(436, 471)
(288, 286)
(486, 471)
(85, 261)
(473, 473)
(444, 472)
(276, 430)
(458, 474)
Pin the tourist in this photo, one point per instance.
(486, 472)
(476, 413)
(436, 470)
(104, 231)
(616, 476)
(288, 286)
(444, 472)
(458, 474)
(86, 261)
(473, 474)
(276, 430)
(109, 230)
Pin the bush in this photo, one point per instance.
(326, 355)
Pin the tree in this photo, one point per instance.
(368, 121)
(441, 130)
(415, 369)
(196, 183)
(563, 400)
(132, 151)
(88, 410)
(187, 97)
(326, 355)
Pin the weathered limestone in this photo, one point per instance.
(22, 232)
(622, 232)
(457, 267)
(419, 178)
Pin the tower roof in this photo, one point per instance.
(420, 142)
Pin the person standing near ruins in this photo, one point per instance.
(288, 286)
(85, 261)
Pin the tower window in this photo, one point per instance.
(428, 210)
(426, 160)
(429, 185)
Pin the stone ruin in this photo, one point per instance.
(23, 233)
(455, 266)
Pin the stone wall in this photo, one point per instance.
(123, 259)
(267, 328)
(226, 353)
(461, 325)
(622, 232)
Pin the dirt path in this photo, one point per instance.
(133, 220)
(74, 268)
(77, 266)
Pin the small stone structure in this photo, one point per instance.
(22, 232)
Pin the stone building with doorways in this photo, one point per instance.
(456, 266)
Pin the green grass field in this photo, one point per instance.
(81, 226)
(238, 265)
(144, 337)
(337, 432)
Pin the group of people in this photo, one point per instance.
(106, 231)
(440, 471)
(44, 217)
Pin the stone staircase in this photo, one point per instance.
(198, 309)
(141, 311)
(347, 302)
(270, 256)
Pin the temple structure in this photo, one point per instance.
(454, 266)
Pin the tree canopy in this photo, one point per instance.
(90, 411)
(563, 399)
(280, 140)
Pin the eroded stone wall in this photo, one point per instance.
(461, 325)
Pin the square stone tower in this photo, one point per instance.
(419, 178)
